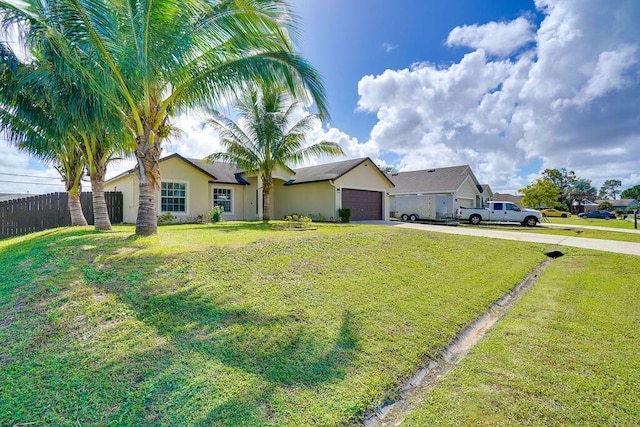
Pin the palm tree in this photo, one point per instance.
(87, 133)
(267, 138)
(162, 57)
(28, 119)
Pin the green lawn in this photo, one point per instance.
(566, 355)
(610, 223)
(233, 324)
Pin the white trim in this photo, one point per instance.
(216, 187)
(186, 196)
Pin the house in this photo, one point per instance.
(579, 206)
(435, 193)
(486, 194)
(505, 197)
(192, 187)
(622, 204)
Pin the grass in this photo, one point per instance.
(609, 223)
(233, 324)
(566, 355)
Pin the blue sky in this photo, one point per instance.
(347, 40)
(510, 87)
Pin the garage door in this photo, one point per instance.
(364, 205)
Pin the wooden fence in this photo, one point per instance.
(42, 212)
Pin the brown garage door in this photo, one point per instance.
(364, 205)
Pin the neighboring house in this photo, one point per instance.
(434, 193)
(584, 206)
(486, 194)
(623, 204)
(505, 197)
(191, 187)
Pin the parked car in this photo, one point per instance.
(598, 214)
(555, 212)
(500, 212)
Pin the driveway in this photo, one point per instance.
(628, 248)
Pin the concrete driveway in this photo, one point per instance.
(628, 248)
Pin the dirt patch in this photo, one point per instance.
(413, 393)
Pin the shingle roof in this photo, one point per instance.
(226, 174)
(325, 172)
(220, 172)
(619, 202)
(429, 180)
(503, 197)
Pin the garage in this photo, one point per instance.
(364, 205)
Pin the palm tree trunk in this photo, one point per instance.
(75, 209)
(267, 184)
(149, 174)
(101, 219)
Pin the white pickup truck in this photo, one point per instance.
(500, 212)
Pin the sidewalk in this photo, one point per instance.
(628, 248)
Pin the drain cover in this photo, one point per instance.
(554, 254)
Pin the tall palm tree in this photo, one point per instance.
(29, 120)
(267, 137)
(87, 132)
(162, 57)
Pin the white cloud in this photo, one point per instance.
(21, 175)
(496, 38)
(388, 47)
(570, 100)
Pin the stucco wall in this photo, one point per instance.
(128, 185)
(304, 199)
(364, 177)
(467, 194)
(198, 190)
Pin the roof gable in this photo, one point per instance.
(441, 180)
(330, 171)
(218, 172)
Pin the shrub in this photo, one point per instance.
(165, 218)
(344, 214)
(215, 214)
(296, 221)
(618, 212)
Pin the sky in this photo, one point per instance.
(509, 87)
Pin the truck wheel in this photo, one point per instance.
(531, 221)
(475, 219)
(413, 217)
(404, 217)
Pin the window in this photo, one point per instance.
(222, 197)
(512, 207)
(173, 197)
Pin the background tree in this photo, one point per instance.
(631, 193)
(543, 192)
(582, 190)
(216, 47)
(266, 136)
(605, 205)
(563, 180)
(609, 189)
